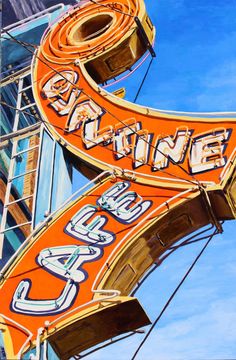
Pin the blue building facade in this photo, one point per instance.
(36, 174)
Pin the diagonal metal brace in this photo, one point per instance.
(210, 210)
(143, 37)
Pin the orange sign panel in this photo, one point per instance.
(106, 131)
(59, 272)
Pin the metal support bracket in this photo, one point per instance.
(144, 38)
(209, 208)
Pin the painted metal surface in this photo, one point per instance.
(59, 271)
(107, 131)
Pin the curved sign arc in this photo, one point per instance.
(105, 131)
(66, 267)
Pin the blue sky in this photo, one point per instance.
(195, 70)
(196, 52)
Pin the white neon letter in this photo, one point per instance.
(171, 148)
(141, 148)
(82, 113)
(60, 89)
(93, 135)
(207, 150)
(117, 201)
(122, 138)
(21, 303)
(92, 232)
(74, 256)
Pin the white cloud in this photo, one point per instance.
(200, 323)
(208, 335)
(218, 85)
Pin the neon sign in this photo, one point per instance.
(128, 137)
(66, 261)
(59, 270)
